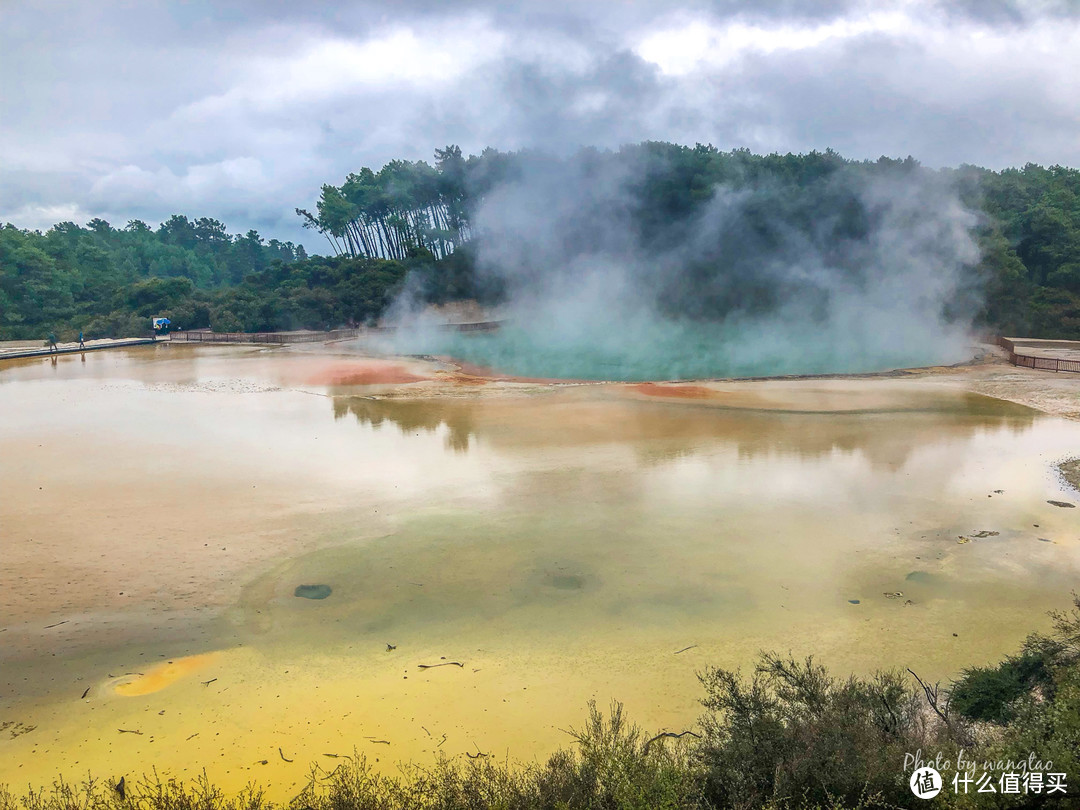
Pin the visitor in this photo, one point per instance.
(52, 342)
(82, 343)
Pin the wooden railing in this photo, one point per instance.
(206, 336)
(1044, 363)
(1035, 362)
(201, 336)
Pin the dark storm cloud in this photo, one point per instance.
(242, 110)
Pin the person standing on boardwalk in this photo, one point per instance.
(82, 343)
(52, 342)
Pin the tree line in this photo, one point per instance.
(109, 281)
(400, 208)
(1026, 281)
(421, 219)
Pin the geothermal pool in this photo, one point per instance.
(163, 505)
(647, 348)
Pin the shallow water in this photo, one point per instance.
(162, 505)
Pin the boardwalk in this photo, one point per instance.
(16, 352)
(33, 349)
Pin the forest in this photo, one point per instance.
(424, 221)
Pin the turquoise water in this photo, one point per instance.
(681, 351)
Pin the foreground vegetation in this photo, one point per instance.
(414, 218)
(789, 735)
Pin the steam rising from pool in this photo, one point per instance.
(867, 267)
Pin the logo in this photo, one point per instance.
(925, 783)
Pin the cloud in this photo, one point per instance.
(43, 217)
(242, 111)
(328, 69)
(134, 186)
(698, 45)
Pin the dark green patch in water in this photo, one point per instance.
(923, 578)
(312, 591)
(567, 582)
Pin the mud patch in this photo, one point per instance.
(672, 391)
(1070, 471)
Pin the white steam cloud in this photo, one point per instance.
(612, 268)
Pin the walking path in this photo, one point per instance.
(1059, 349)
(12, 352)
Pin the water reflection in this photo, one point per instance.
(411, 416)
(886, 430)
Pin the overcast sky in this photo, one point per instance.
(241, 110)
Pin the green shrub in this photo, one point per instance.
(612, 766)
(988, 693)
(793, 735)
